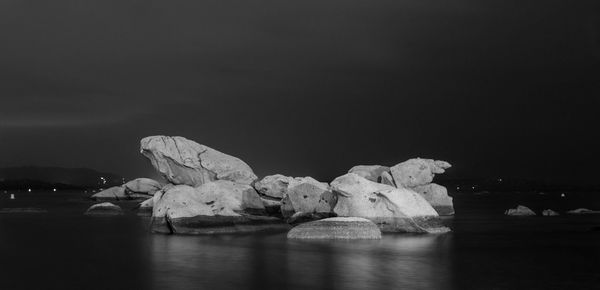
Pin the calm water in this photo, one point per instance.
(63, 249)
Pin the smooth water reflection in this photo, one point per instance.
(273, 262)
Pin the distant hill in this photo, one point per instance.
(55, 177)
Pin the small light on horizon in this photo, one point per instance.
(29, 190)
(54, 190)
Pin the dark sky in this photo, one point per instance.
(498, 88)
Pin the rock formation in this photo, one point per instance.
(185, 162)
(142, 186)
(437, 196)
(214, 207)
(392, 209)
(370, 172)
(519, 211)
(549, 212)
(104, 209)
(344, 228)
(307, 196)
(416, 174)
(417, 171)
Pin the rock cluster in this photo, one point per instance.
(210, 192)
(549, 212)
(415, 174)
(392, 209)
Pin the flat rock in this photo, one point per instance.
(370, 172)
(113, 193)
(185, 162)
(104, 209)
(338, 228)
(392, 209)
(437, 196)
(583, 211)
(417, 171)
(549, 212)
(520, 211)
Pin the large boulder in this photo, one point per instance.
(215, 207)
(519, 211)
(142, 186)
(392, 209)
(417, 171)
(185, 162)
(113, 193)
(340, 228)
(104, 209)
(437, 196)
(307, 196)
(370, 172)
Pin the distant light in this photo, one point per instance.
(473, 187)
(458, 188)
(499, 179)
(29, 190)
(54, 190)
(562, 195)
(12, 196)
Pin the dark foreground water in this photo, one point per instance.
(63, 249)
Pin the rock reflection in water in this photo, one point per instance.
(272, 262)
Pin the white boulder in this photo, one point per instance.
(185, 162)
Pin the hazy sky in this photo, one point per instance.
(497, 88)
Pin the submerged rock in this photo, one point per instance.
(519, 211)
(344, 228)
(549, 212)
(370, 172)
(104, 209)
(437, 196)
(583, 211)
(185, 162)
(417, 171)
(392, 209)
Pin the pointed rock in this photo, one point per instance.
(185, 162)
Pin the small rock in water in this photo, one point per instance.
(583, 211)
(519, 211)
(549, 212)
(104, 209)
(338, 228)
